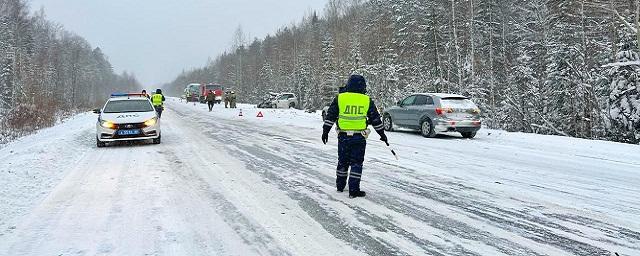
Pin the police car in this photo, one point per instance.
(127, 117)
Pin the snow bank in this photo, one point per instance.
(31, 166)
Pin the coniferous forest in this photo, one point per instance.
(561, 67)
(48, 73)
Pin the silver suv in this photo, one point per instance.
(432, 113)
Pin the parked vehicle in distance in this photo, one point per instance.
(433, 113)
(218, 91)
(286, 100)
(267, 101)
(193, 90)
(281, 100)
(127, 117)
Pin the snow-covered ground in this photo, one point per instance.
(221, 184)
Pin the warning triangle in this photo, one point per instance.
(260, 114)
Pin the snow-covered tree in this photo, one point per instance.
(624, 99)
(41, 64)
(532, 66)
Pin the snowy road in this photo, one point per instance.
(220, 184)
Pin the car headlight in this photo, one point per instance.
(151, 122)
(107, 124)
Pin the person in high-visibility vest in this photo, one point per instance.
(353, 110)
(158, 101)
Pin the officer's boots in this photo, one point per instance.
(357, 194)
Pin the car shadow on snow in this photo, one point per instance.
(441, 136)
(134, 144)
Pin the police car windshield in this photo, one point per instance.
(127, 106)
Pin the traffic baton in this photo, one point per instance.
(392, 151)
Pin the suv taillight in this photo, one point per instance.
(442, 111)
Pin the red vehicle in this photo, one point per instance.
(217, 89)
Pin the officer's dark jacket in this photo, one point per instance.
(354, 86)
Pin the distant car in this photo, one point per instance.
(193, 90)
(285, 100)
(268, 100)
(432, 113)
(127, 117)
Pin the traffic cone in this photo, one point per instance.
(240, 112)
(260, 114)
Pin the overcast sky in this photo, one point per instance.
(157, 39)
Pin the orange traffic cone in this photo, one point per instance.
(240, 113)
(260, 114)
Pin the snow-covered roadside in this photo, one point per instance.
(31, 166)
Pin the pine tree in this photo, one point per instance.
(624, 99)
(329, 85)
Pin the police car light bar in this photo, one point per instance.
(127, 95)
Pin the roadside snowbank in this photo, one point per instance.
(31, 166)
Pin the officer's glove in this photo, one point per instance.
(325, 137)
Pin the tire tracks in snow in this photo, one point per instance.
(295, 160)
(260, 160)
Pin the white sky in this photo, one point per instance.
(157, 39)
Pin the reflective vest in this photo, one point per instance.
(156, 99)
(353, 109)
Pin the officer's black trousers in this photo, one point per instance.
(351, 151)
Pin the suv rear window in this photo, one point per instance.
(127, 106)
(460, 103)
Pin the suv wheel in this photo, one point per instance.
(468, 135)
(427, 130)
(100, 144)
(388, 124)
(292, 105)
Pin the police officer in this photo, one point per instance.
(158, 101)
(353, 110)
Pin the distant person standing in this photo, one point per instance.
(158, 102)
(194, 98)
(232, 100)
(211, 100)
(144, 93)
(227, 95)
